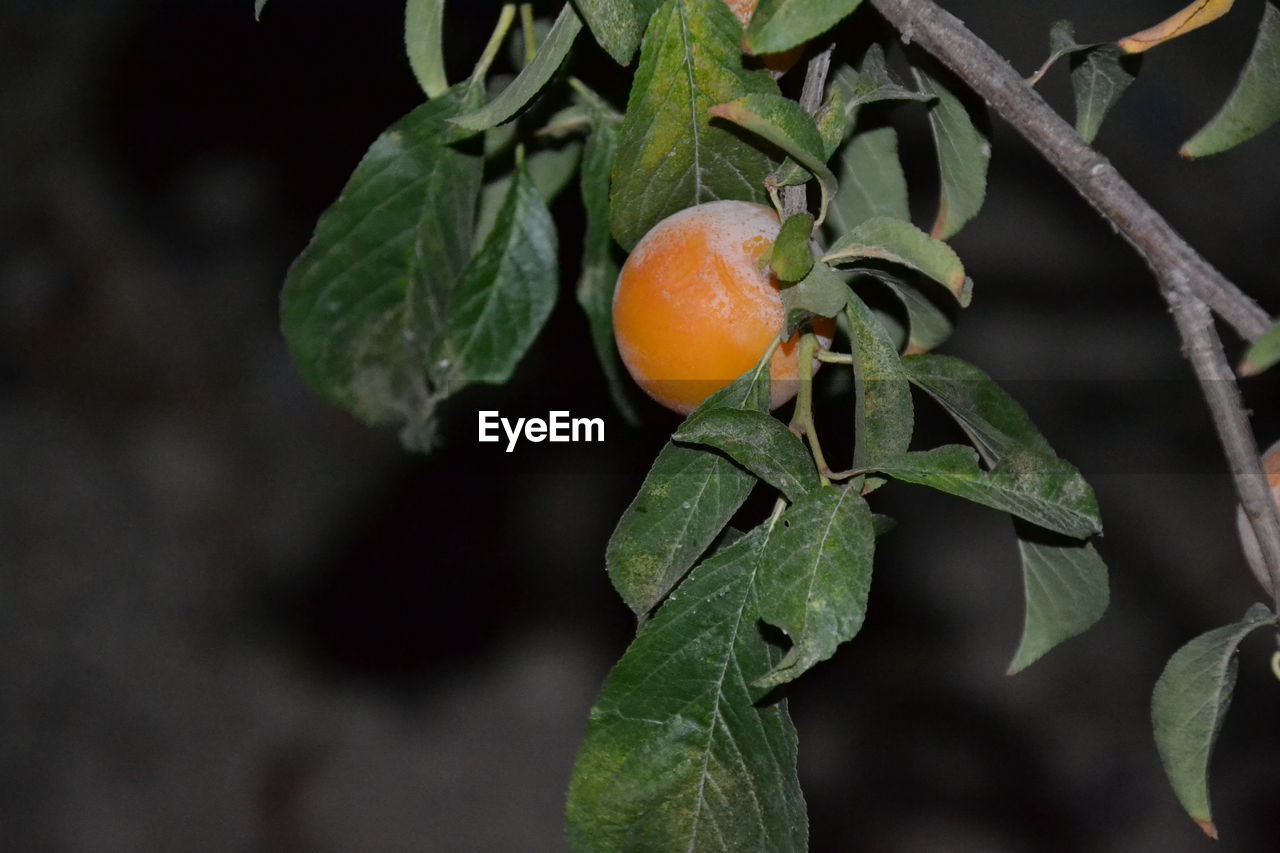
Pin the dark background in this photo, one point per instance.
(232, 618)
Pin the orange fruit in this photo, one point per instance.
(779, 62)
(693, 310)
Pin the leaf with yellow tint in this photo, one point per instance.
(1180, 23)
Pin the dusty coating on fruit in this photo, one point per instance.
(693, 310)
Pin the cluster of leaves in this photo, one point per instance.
(1102, 71)
(1191, 697)
(437, 267)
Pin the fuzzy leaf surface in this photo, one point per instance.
(529, 82)
(928, 326)
(870, 83)
(599, 275)
(617, 24)
(899, 242)
(779, 25)
(503, 297)
(758, 442)
(791, 257)
(1065, 582)
(424, 43)
(815, 575)
(357, 315)
(1099, 76)
(669, 155)
(686, 499)
(872, 183)
(1189, 703)
(784, 123)
(551, 170)
(677, 756)
(993, 420)
(1254, 103)
(1100, 73)
(1041, 489)
(1065, 591)
(885, 415)
(821, 293)
(964, 151)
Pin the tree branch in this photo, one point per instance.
(988, 74)
(1189, 283)
(796, 199)
(1204, 349)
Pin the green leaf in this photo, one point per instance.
(849, 91)
(599, 275)
(677, 756)
(669, 156)
(350, 313)
(1065, 589)
(964, 150)
(831, 124)
(815, 574)
(871, 180)
(503, 298)
(779, 25)
(531, 79)
(758, 442)
(993, 420)
(1188, 706)
(424, 42)
(258, 6)
(1099, 76)
(836, 119)
(686, 499)
(872, 82)
(821, 293)
(784, 123)
(928, 326)
(792, 255)
(1041, 489)
(829, 121)
(1062, 42)
(893, 240)
(551, 170)
(1262, 354)
(1100, 73)
(1064, 580)
(885, 415)
(617, 24)
(1254, 103)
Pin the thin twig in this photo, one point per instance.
(1217, 383)
(796, 199)
(1189, 283)
(1093, 176)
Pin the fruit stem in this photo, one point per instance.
(835, 357)
(803, 417)
(530, 36)
(491, 49)
(779, 506)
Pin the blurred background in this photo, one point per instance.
(231, 618)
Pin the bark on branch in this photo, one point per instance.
(1189, 283)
